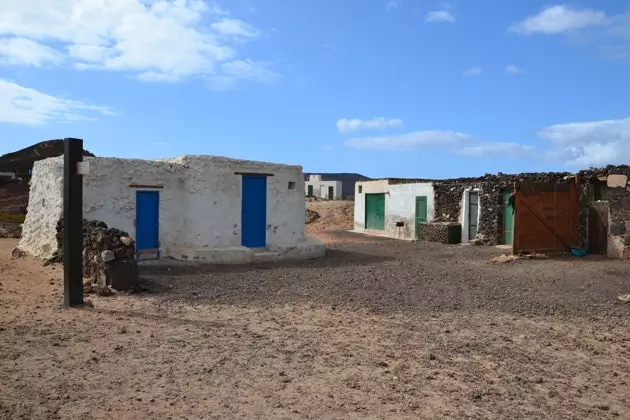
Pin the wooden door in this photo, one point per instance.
(598, 229)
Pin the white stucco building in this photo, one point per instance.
(316, 187)
(193, 207)
(380, 205)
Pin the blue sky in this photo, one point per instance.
(385, 88)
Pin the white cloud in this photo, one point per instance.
(392, 4)
(24, 52)
(439, 16)
(156, 40)
(498, 149)
(559, 19)
(346, 125)
(450, 141)
(595, 143)
(473, 71)
(512, 69)
(235, 27)
(24, 105)
(578, 145)
(241, 70)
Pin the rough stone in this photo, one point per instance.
(16, 252)
(434, 232)
(127, 241)
(107, 256)
(618, 228)
(617, 181)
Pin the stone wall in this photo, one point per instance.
(449, 194)
(434, 232)
(109, 255)
(619, 212)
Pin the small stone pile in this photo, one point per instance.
(109, 255)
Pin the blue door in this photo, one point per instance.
(254, 211)
(147, 221)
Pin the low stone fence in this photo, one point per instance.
(440, 232)
(109, 255)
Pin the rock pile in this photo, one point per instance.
(109, 255)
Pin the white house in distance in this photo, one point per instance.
(316, 187)
(192, 207)
(378, 206)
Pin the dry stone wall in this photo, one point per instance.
(449, 194)
(434, 232)
(109, 255)
(618, 211)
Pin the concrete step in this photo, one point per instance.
(265, 256)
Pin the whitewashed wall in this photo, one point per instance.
(45, 208)
(400, 204)
(200, 200)
(317, 187)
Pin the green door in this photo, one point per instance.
(375, 211)
(508, 219)
(421, 211)
(309, 191)
(331, 194)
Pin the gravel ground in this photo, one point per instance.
(390, 276)
(377, 329)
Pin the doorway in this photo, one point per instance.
(148, 223)
(508, 219)
(254, 211)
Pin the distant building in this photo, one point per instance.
(316, 187)
(10, 175)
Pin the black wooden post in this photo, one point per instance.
(73, 223)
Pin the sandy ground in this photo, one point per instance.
(335, 217)
(378, 330)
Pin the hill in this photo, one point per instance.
(14, 193)
(347, 180)
(21, 162)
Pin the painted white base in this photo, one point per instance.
(308, 248)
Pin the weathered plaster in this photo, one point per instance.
(464, 218)
(400, 205)
(45, 208)
(200, 201)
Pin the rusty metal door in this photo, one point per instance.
(598, 229)
(547, 218)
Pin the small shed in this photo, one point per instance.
(208, 208)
